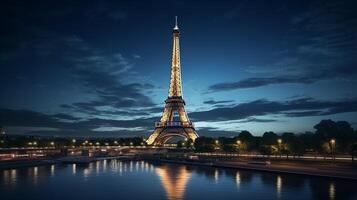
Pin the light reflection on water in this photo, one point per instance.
(237, 179)
(332, 191)
(278, 186)
(149, 180)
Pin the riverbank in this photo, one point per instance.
(14, 164)
(321, 170)
(25, 163)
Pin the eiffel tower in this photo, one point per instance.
(174, 121)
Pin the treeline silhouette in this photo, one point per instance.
(330, 137)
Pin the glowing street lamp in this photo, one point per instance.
(238, 145)
(279, 146)
(73, 141)
(280, 141)
(52, 143)
(333, 142)
(217, 144)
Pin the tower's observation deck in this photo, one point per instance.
(174, 120)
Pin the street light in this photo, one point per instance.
(217, 144)
(279, 146)
(52, 144)
(333, 142)
(238, 145)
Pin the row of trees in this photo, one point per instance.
(329, 138)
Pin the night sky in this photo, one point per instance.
(102, 68)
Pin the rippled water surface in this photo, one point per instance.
(143, 180)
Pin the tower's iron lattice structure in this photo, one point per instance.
(174, 121)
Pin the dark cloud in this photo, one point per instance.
(64, 116)
(343, 72)
(212, 102)
(264, 107)
(257, 120)
(257, 82)
(75, 126)
(10, 117)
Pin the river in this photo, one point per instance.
(116, 179)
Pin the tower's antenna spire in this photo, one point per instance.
(176, 26)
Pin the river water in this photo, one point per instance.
(115, 179)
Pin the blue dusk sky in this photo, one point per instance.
(102, 68)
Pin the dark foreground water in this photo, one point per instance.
(142, 180)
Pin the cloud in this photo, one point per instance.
(258, 82)
(26, 121)
(106, 76)
(342, 71)
(136, 56)
(212, 102)
(256, 120)
(294, 108)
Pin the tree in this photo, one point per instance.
(204, 144)
(266, 150)
(292, 144)
(248, 141)
(341, 131)
(353, 151)
(269, 138)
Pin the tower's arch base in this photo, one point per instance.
(161, 135)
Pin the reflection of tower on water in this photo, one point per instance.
(174, 180)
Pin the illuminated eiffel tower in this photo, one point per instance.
(174, 121)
